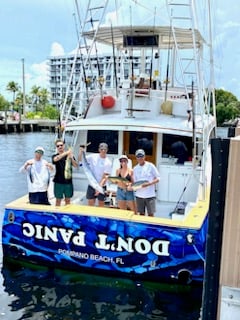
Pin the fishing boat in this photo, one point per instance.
(157, 94)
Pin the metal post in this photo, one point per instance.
(23, 80)
(220, 151)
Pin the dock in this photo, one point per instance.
(13, 126)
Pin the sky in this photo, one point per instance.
(33, 30)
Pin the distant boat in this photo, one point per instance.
(145, 109)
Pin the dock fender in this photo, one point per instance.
(14, 252)
(184, 276)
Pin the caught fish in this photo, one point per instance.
(91, 179)
(31, 174)
(45, 175)
(116, 179)
(138, 185)
(68, 169)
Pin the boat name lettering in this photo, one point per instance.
(141, 245)
(44, 233)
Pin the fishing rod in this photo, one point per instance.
(168, 59)
(193, 127)
(114, 62)
(83, 67)
(100, 78)
(132, 69)
(151, 67)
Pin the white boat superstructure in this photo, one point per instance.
(143, 109)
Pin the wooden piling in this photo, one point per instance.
(220, 151)
(229, 284)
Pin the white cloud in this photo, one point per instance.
(57, 49)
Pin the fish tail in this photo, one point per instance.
(31, 174)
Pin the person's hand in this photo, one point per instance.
(145, 184)
(28, 163)
(49, 166)
(129, 187)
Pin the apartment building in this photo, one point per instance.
(69, 74)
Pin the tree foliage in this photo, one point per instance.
(4, 104)
(227, 106)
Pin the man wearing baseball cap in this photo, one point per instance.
(38, 177)
(146, 195)
(101, 167)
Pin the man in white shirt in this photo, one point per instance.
(101, 167)
(38, 177)
(145, 196)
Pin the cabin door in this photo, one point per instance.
(140, 140)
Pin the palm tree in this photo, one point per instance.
(35, 92)
(44, 96)
(13, 87)
(19, 99)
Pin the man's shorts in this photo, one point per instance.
(91, 194)
(124, 195)
(149, 203)
(62, 190)
(39, 198)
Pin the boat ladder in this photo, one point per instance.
(79, 84)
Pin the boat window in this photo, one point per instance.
(141, 140)
(170, 139)
(140, 41)
(98, 136)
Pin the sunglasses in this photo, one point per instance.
(124, 160)
(59, 145)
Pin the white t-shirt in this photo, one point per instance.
(38, 176)
(99, 166)
(148, 172)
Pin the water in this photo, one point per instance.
(41, 293)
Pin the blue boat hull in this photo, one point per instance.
(102, 244)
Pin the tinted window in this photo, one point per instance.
(141, 140)
(169, 140)
(97, 136)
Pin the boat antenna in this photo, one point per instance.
(168, 58)
(114, 62)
